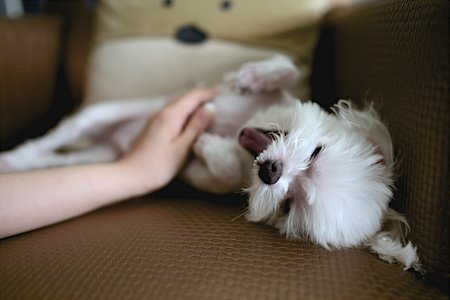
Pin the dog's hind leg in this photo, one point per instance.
(266, 76)
(99, 153)
(216, 167)
(91, 124)
(96, 154)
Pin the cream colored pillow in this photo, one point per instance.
(137, 67)
(136, 53)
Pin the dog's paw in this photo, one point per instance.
(11, 163)
(212, 146)
(19, 160)
(218, 154)
(266, 76)
(202, 143)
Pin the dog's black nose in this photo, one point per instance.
(270, 171)
(191, 34)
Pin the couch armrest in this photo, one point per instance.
(29, 59)
(42, 68)
(398, 52)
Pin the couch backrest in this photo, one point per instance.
(396, 53)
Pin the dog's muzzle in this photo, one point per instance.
(255, 141)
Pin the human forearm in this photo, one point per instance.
(31, 200)
(39, 198)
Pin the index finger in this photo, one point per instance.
(185, 107)
(191, 101)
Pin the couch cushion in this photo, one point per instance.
(189, 248)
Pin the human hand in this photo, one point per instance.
(163, 146)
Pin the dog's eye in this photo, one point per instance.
(315, 152)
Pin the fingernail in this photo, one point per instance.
(207, 112)
(210, 107)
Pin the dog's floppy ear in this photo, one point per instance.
(368, 122)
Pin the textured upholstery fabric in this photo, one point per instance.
(182, 248)
(396, 53)
(29, 57)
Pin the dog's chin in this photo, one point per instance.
(266, 202)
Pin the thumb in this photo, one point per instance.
(199, 122)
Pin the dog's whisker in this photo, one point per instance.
(241, 214)
(275, 124)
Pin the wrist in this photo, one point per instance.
(137, 178)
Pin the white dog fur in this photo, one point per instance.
(312, 174)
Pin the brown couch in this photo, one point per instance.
(182, 244)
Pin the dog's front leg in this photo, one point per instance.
(268, 75)
(216, 166)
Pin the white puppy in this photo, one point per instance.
(326, 177)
